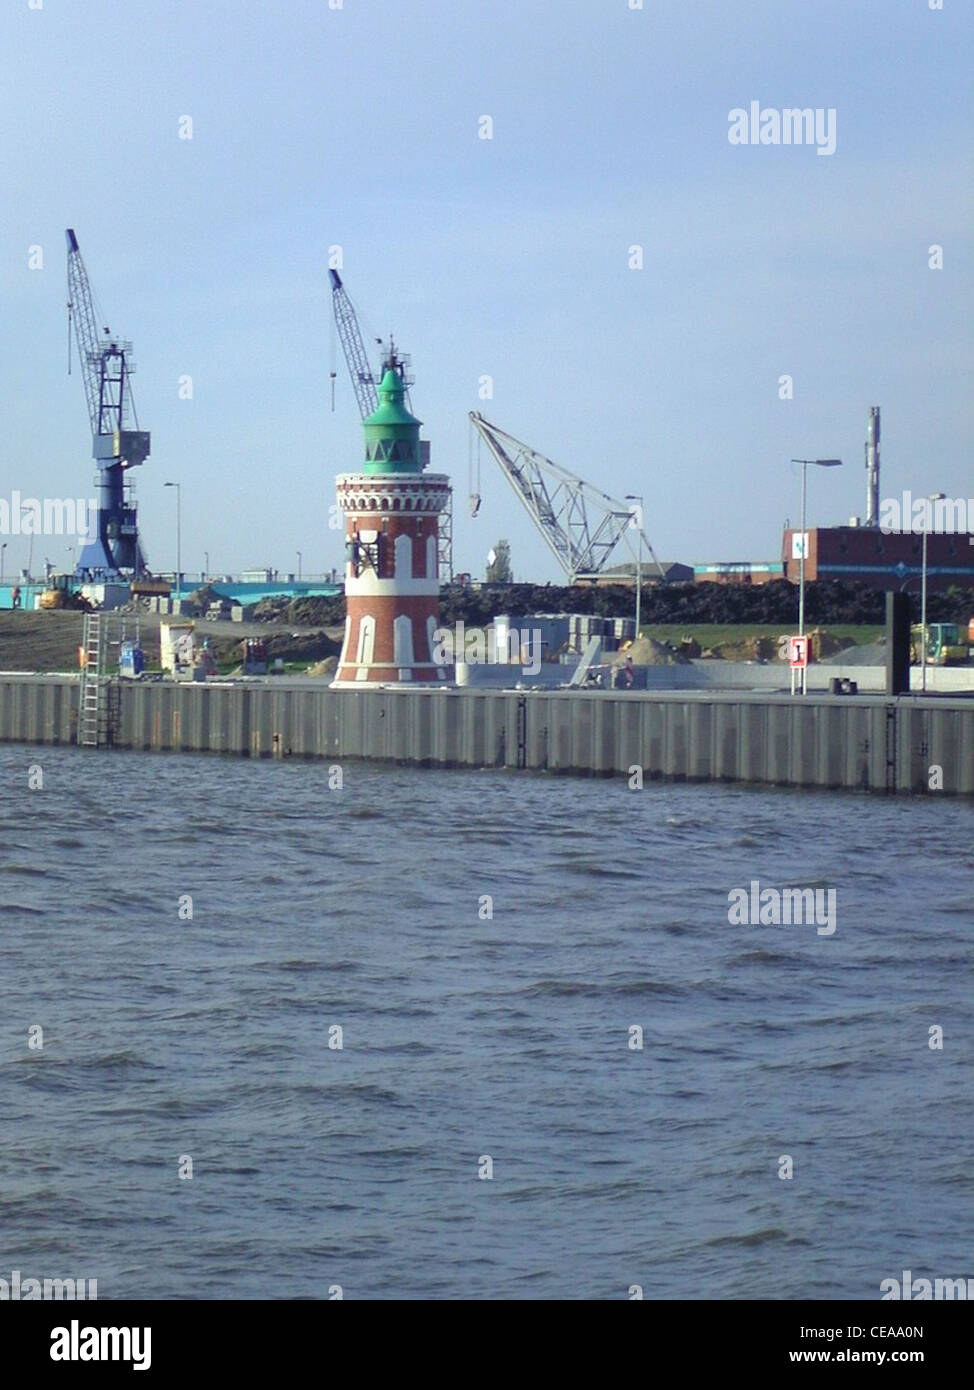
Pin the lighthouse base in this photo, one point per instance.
(371, 677)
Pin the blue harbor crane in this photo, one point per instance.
(350, 335)
(357, 358)
(112, 550)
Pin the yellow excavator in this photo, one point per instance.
(62, 592)
(945, 645)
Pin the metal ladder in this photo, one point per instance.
(90, 705)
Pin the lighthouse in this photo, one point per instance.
(392, 589)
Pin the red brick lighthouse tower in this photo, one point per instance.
(392, 588)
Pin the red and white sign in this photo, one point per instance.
(798, 653)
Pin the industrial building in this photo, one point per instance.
(739, 572)
(881, 560)
(878, 555)
(651, 572)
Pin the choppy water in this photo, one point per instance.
(465, 1037)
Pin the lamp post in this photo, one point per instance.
(179, 538)
(299, 565)
(2, 558)
(635, 497)
(206, 561)
(934, 497)
(817, 463)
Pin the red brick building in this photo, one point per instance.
(881, 560)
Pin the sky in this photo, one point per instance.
(357, 125)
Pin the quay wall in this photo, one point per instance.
(870, 742)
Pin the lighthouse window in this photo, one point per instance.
(403, 640)
(404, 557)
(366, 640)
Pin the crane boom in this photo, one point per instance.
(81, 314)
(350, 336)
(579, 523)
(105, 361)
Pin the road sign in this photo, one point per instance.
(798, 653)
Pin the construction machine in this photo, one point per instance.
(62, 592)
(945, 645)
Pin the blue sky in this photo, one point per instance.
(359, 127)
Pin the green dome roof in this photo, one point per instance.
(391, 410)
(391, 432)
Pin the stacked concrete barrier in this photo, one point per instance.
(870, 742)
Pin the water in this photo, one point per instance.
(464, 1037)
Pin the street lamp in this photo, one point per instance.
(2, 558)
(934, 497)
(179, 539)
(635, 497)
(818, 463)
(206, 561)
(299, 564)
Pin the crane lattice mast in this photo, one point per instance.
(579, 523)
(350, 337)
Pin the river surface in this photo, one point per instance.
(469, 1037)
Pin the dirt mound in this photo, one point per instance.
(824, 644)
(269, 610)
(646, 651)
(310, 610)
(328, 667)
(49, 641)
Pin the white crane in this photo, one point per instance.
(581, 524)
